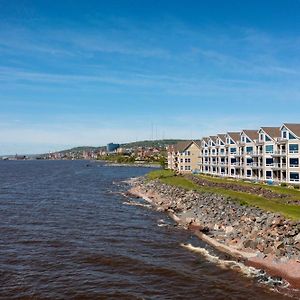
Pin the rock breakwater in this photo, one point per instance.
(265, 239)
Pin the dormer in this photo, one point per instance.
(221, 139)
(290, 131)
(268, 134)
(232, 138)
(248, 136)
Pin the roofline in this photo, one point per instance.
(284, 124)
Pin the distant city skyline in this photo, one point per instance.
(76, 73)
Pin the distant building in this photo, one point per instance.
(111, 147)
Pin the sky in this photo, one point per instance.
(90, 72)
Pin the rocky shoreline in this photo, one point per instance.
(260, 239)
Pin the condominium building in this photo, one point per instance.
(183, 156)
(267, 153)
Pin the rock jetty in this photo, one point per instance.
(263, 239)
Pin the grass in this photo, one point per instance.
(273, 205)
(294, 193)
(158, 174)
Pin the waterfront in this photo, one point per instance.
(68, 232)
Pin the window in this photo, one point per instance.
(213, 151)
(269, 161)
(294, 162)
(293, 148)
(284, 134)
(248, 140)
(243, 139)
(231, 141)
(261, 137)
(294, 176)
(249, 149)
(232, 150)
(249, 160)
(268, 174)
(188, 152)
(291, 137)
(249, 173)
(233, 161)
(181, 168)
(232, 171)
(269, 149)
(221, 143)
(267, 139)
(181, 160)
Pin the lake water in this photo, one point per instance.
(67, 232)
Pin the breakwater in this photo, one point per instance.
(258, 238)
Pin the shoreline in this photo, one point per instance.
(289, 269)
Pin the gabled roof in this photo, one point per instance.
(181, 146)
(213, 138)
(236, 136)
(198, 143)
(222, 137)
(251, 134)
(205, 139)
(294, 128)
(272, 132)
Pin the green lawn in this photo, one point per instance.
(273, 205)
(277, 189)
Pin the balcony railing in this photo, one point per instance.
(278, 153)
(279, 166)
(256, 154)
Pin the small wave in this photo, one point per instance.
(225, 264)
(133, 203)
(162, 223)
(259, 274)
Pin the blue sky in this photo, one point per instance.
(90, 72)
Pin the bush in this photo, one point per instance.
(283, 184)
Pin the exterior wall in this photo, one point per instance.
(185, 161)
(268, 158)
(188, 159)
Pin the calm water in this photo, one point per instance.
(65, 233)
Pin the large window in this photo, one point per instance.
(294, 162)
(232, 150)
(233, 160)
(291, 137)
(249, 173)
(249, 149)
(269, 161)
(269, 149)
(249, 160)
(267, 139)
(293, 148)
(294, 176)
(268, 174)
